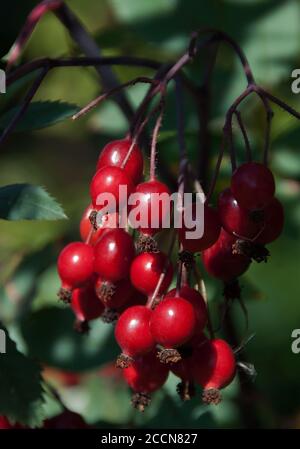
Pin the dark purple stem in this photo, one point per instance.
(245, 135)
(24, 105)
(50, 63)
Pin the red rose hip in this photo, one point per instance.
(253, 185)
(114, 296)
(273, 222)
(108, 180)
(114, 153)
(145, 375)
(85, 303)
(197, 301)
(214, 368)
(220, 262)
(88, 235)
(133, 334)
(173, 322)
(146, 270)
(151, 207)
(236, 219)
(113, 255)
(75, 265)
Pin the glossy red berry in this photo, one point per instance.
(146, 374)
(108, 180)
(220, 262)
(114, 296)
(214, 368)
(253, 185)
(236, 219)
(108, 221)
(75, 264)
(146, 270)
(132, 331)
(113, 255)
(150, 207)
(211, 230)
(262, 227)
(197, 301)
(114, 154)
(273, 222)
(173, 322)
(85, 303)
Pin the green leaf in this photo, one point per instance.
(21, 391)
(28, 202)
(40, 114)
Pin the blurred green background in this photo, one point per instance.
(62, 159)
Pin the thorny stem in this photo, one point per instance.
(154, 141)
(105, 95)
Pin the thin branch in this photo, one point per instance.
(91, 49)
(79, 35)
(23, 107)
(105, 95)
(244, 133)
(219, 35)
(216, 170)
(154, 142)
(269, 118)
(82, 61)
(31, 21)
(277, 101)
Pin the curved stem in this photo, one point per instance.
(154, 142)
(216, 171)
(245, 135)
(92, 104)
(23, 107)
(51, 63)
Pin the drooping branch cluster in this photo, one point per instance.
(232, 244)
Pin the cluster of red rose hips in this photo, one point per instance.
(158, 330)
